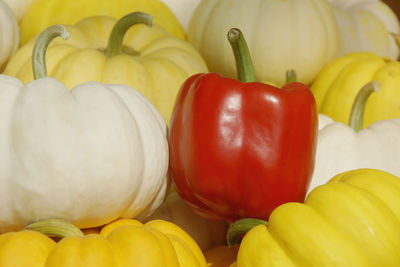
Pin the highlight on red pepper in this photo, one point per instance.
(239, 149)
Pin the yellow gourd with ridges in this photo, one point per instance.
(122, 243)
(337, 85)
(24, 248)
(353, 220)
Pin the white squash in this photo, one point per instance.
(183, 10)
(342, 148)
(19, 7)
(366, 25)
(89, 155)
(9, 34)
(281, 35)
(207, 233)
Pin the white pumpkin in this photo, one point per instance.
(19, 7)
(344, 147)
(183, 10)
(366, 25)
(281, 35)
(341, 149)
(207, 233)
(89, 155)
(9, 34)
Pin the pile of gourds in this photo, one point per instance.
(126, 138)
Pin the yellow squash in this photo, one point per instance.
(337, 85)
(353, 220)
(129, 52)
(123, 243)
(44, 13)
(24, 248)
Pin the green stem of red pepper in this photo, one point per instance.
(40, 48)
(239, 228)
(244, 64)
(55, 228)
(357, 111)
(115, 41)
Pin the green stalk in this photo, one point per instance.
(357, 111)
(55, 228)
(244, 64)
(240, 228)
(119, 30)
(291, 76)
(40, 48)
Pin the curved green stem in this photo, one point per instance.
(119, 30)
(357, 111)
(241, 227)
(291, 76)
(40, 48)
(244, 64)
(56, 228)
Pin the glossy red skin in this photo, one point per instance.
(239, 150)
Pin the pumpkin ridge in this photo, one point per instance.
(52, 69)
(158, 189)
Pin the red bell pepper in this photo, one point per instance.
(240, 149)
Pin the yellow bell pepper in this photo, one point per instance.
(337, 85)
(44, 13)
(123, 243)
(353, 220)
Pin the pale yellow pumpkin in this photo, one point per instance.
(19, 7)
(366, 25)
(9, 34)
(281, 35)
(44, 13)
(183, 9)
(151, 61)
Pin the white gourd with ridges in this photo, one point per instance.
(344, 147)
(341, 149)
(281, 35)
(9, 34)
(89, 155)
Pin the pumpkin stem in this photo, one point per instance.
(357, 111)
(244, 64)
(115, 41)
(40, 48)
(239, 228)
(55, 228)
(291, 76)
